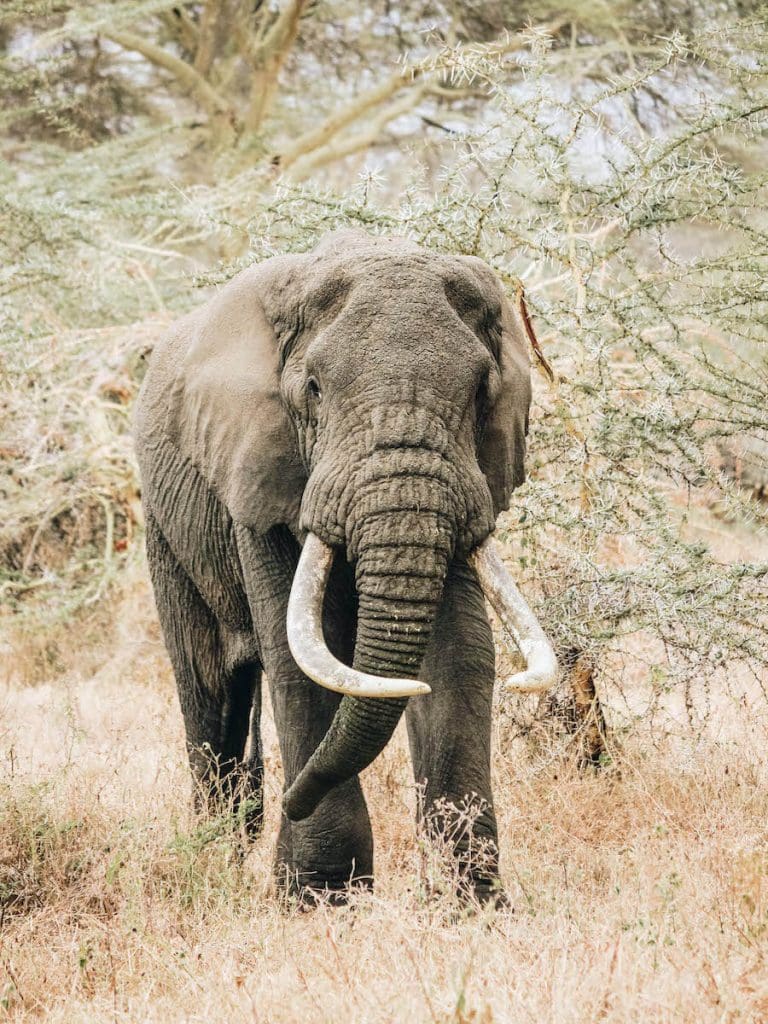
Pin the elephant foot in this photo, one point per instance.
(298, 892)
(326, 858)
(243, 819)
(469, 895)
(460, 899)
(310, 898)
(488, 894)
(249, 817)
(249, 800)
(460, 855)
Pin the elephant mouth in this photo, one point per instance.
(308, 647)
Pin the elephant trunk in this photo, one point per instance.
(402, 557)
(401, 531)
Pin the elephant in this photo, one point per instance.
(324, 449)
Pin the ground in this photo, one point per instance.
(638, 892)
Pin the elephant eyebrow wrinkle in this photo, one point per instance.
(330, 291)
(287, 331)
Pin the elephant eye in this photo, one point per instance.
(313, 389)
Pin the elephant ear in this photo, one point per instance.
(225, 414)
(501, 451)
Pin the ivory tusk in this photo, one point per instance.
(517, 619)
(306, 640)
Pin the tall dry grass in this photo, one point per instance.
(638, 893)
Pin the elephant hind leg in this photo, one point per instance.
(219, 689)
(228, 769)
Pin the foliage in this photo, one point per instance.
(644, 261)
(606, 160)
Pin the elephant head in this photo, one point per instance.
(374, 397)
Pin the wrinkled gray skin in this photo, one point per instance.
(402, 462)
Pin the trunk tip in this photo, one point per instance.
(301, 799)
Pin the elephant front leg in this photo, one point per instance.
(449, 733)
(332, 848)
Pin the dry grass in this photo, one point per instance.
(639, 893)
(69, 491)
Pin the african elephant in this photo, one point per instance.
(324, 448)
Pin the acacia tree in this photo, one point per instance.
(616, 174)
(284, 79)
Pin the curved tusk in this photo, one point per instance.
(306, 640)
(517, 619)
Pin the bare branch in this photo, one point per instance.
(268, 56)
(321, 135)
(282, 33)
(208, 33)
(361, 140)
(207, 96)
(183, 28)
(427, 70)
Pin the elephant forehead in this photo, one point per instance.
(376, 262)
(395, 280)
(405, 274)
(402, 329)
(354, 255)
